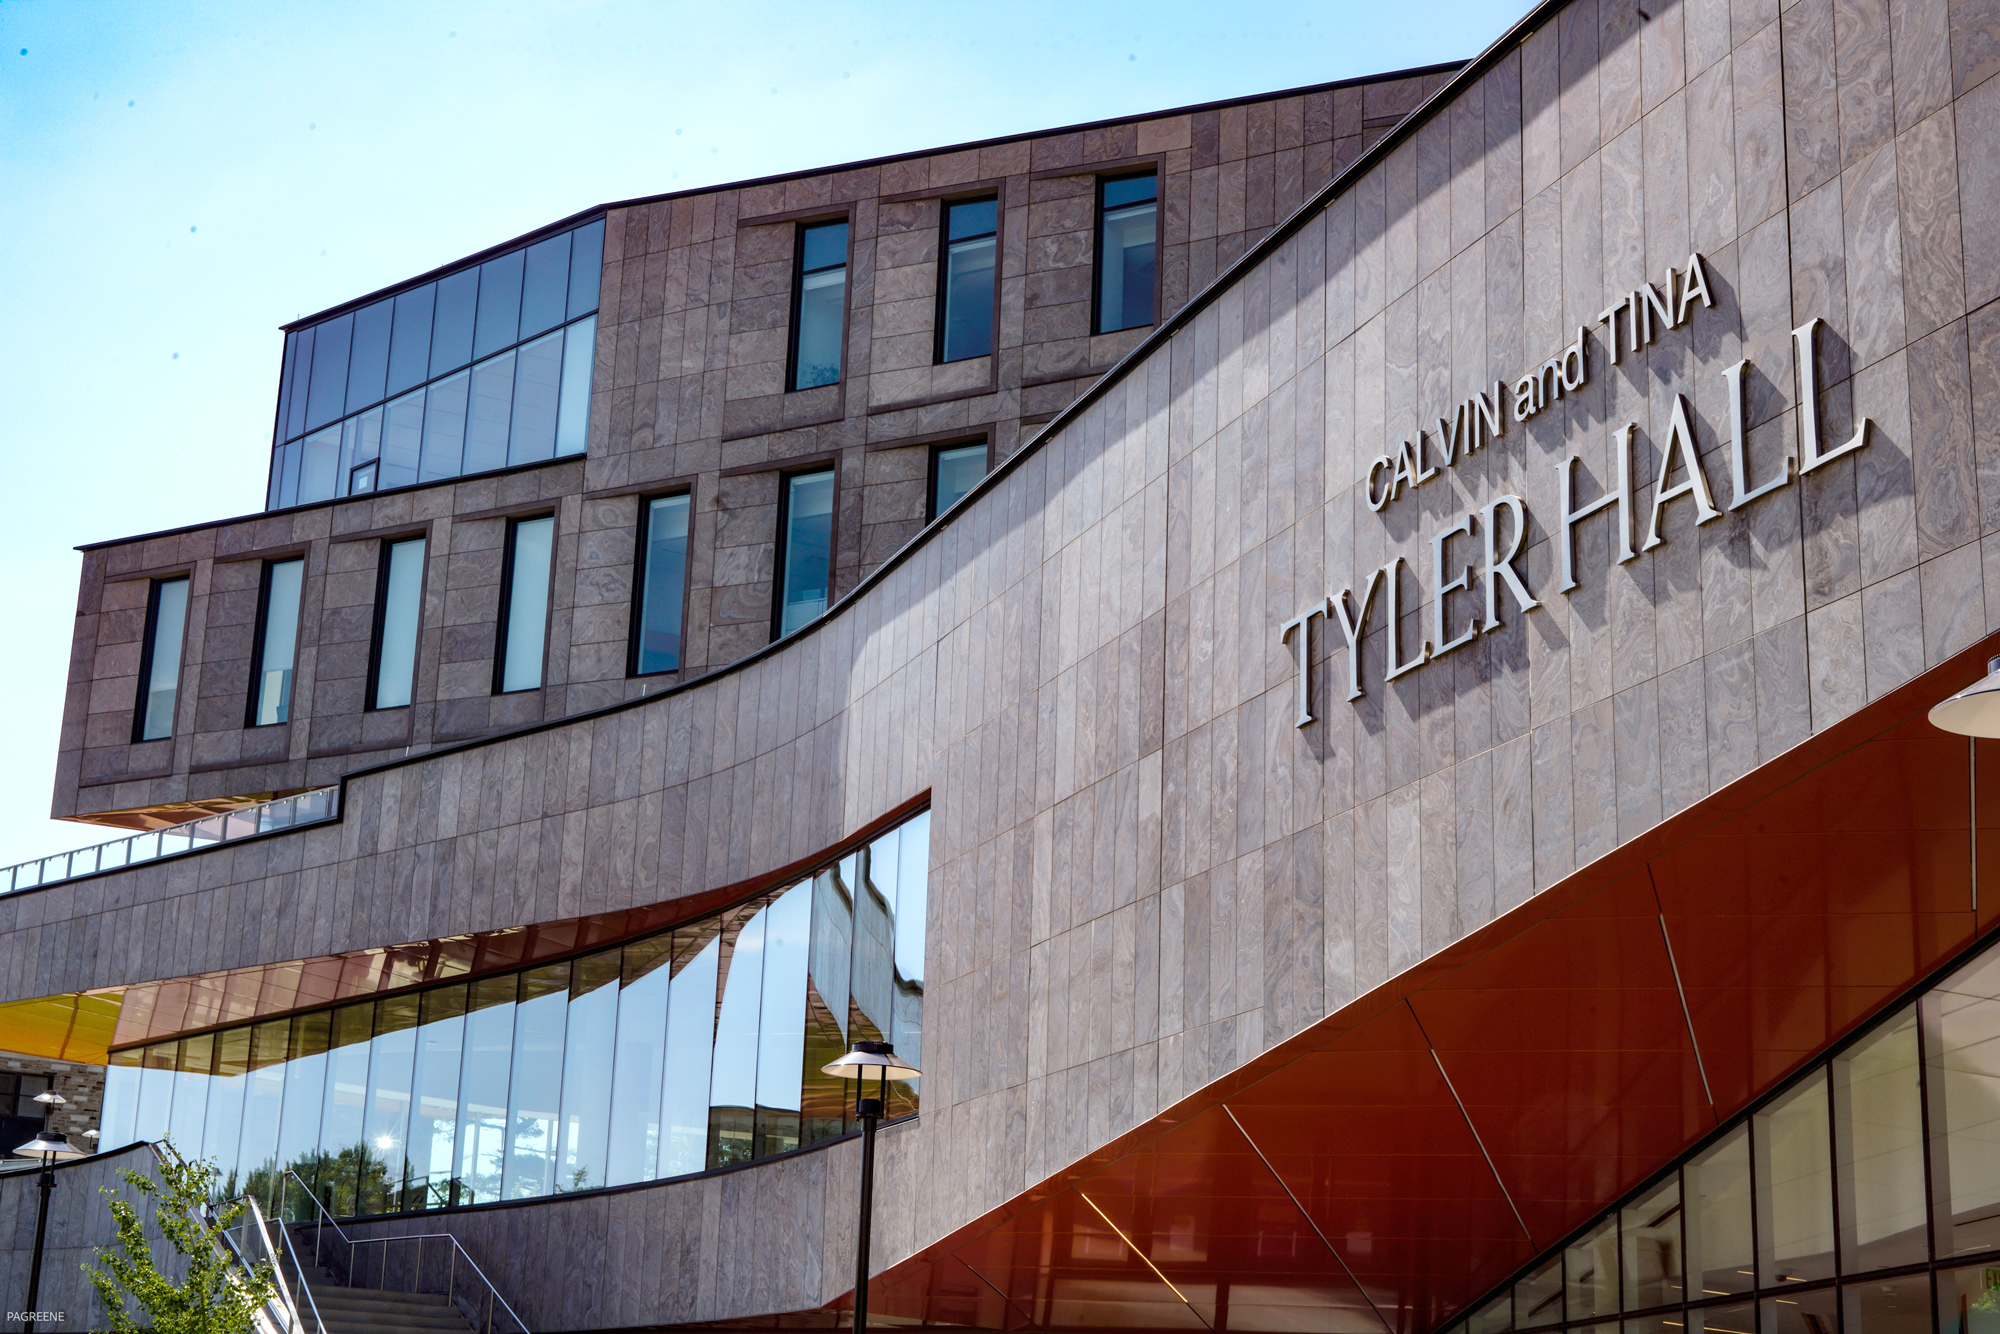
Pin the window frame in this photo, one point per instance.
(261, 626)
(148, 637)
(505, 619)
(831, 467)
(799, 230)
(1097, 248)
(636, 624)
(943, 273)
(380, 616)
(931, 507)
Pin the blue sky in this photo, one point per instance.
(177, 181)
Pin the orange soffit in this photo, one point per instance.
(76, 1027)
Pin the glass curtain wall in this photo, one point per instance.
(1863, 1198)
(485, 368)
(690, 1049)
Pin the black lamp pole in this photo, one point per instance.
(48, 1183)
(870, 1112)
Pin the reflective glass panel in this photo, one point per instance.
(385, 1128)
(586, 267)
(167, 623)
(488, 414)
(1538, 1295)
(821, 303)
(222, 1130)
(298, 1126)
(824, 1100)
(399, 593)
(807, 553)
(523, 632)
(573, 414)
(633, 1151)
(691, 1014)
(781, 1020)
(328, 394)
(263, 1103)
(1126, 236)
(1888, 1305)
(428, 1184)
(191, 1078)
(588, 1053)
(368, 361)
(662, 584)
(499, 320)
(1878, 1121)
(1963, 1019)
(956, 471)
(402, 441)
(1733, 1318)
(156, 1091)
(287, 385)
(1802, 1313)
(444, 428)
(1794, 1183)
(344, 1157)
(534, 1104)
(545, 290)
(410, 344)
(121, 1099)
(1968, 1300)
(319, 466)
(732, 1097)
(451, 321)
(965, 328)
(1720, 1256)
(482, 1089)
(537, 389)
(277, 641)
(1649, 1247)
(1590, 1267)
(1495, 1317)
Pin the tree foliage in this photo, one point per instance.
(215, 1297)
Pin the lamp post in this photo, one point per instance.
(1975, 710)
(880, 1059)
(47, 1146)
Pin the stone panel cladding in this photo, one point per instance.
(692, 339)
(1143, 872)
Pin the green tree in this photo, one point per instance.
(216, 1297)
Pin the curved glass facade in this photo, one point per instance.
(685, 1050)
(484, 368)
(1849, 1202)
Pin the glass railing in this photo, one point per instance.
(192, 836)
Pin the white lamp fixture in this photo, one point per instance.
(872, 1059)
(49, 1147)
(1975, 710)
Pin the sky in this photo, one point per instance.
(176, 181)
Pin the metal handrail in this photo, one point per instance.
(326, 1219)
(256, 1215)
(264, 817)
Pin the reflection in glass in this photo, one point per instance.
(482, 1088)
(368, 361)
(410, 343)
(545, 289)
(586, 267)
(398, 600)
(663, 548)
(633, 1150)
(781, 1021)
(1794, 1184)
(732, 1097)
(1495, 1317)
(277, 641)
(451, 321)
(319, 466)
(1649, 1246)
(534, 1100)
(191, 1079)
(344, 1158)
(385, 1126)
(530, 546)
(166, 622)
(499, 320)
(402, 441)
(1802, 1313)
(263, 1101)
(573, 415)
(121, 1099)
(1538, 1295)
(1127, 231)
(1968, 1300)
(587, 1055)
(1879, 1140)
(1720, 1257)
(489, 406)
(1888, 1305)
(965, 326)
(329, 371)
(691, 1032)
(1733, 1318)
(807, 549)
(440, 1043)
(305, 1086)
(1590, 1267)
(444, 428)
(156, 1091)
(954, 472)
(535, 391)
(820, 305)
(1962, 1019)
(222, 1130)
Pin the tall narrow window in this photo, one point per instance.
(819, 304)
(1127, 237)
(160, 660)
(955, 469)
(277, 642)
(524, 605)
(663, 544)
(965, 288)
(399, 587)
(805, 548)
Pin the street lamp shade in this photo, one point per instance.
(876, 1059)
(50, 1098)
(1975, 710)
(48, 1146)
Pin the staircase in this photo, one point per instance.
(366, 1310)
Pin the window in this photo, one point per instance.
(965, 288)
(160, 659)
(955, 470)
(524, 605)
(662, 585)
(21, 1117)
(399, 587)
(489, 367)
(805, 548)
(819, 304)
(277, 643)
(1127, 236)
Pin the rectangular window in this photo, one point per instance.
(662, 585)
(955, 470)
(160, 660)
(965, 287)
(399, 587)
(1127, 238)
(524, 605)
(805, 548)
(277, 643)
(819, 304)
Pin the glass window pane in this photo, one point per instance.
(781, 1021)
(451, 322)
(1803, 1313)
(586, 1071)
(222, 1131)
(319, 466)
(444, 428)
(957, 471)
(1495, 1317)
(822, 303)
(385, 1127)
(163, 659)
(345, 1102)
(360, 443)
(329, 371)
(400, 592)
(295, 417)
(1968, 1300)
(288, 481)
(277, 641)
(1126, 245)
(573, 415)
(499, 322)
(427, 1182)
(488, 411)
(691, 1015)
(1590, 1267)
(191, 1071)
(1734, 1318)
(807, 549)
(537, 393)
(535, 1092)
(410, 345)
(732, 1097)
(156, 1091)
(263, 1102)
(1649, 1246)
(1718, 1218)
(971, 217)
(298, 1126)
(1879, 1146)
(402, 441)
(633, 1151)
(586, 265)
(482, 1089)
(121, 1099)
(1538, 1298)
(967, 327)
(526, 625)
(662, 585)
(1888, 1306)
(823, 246)
(1795, 1187)
(286, 375)
(545, 290)
(368, 362)
(825, 1101)
(1963, 1017)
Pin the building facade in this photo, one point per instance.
(1381, 777)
